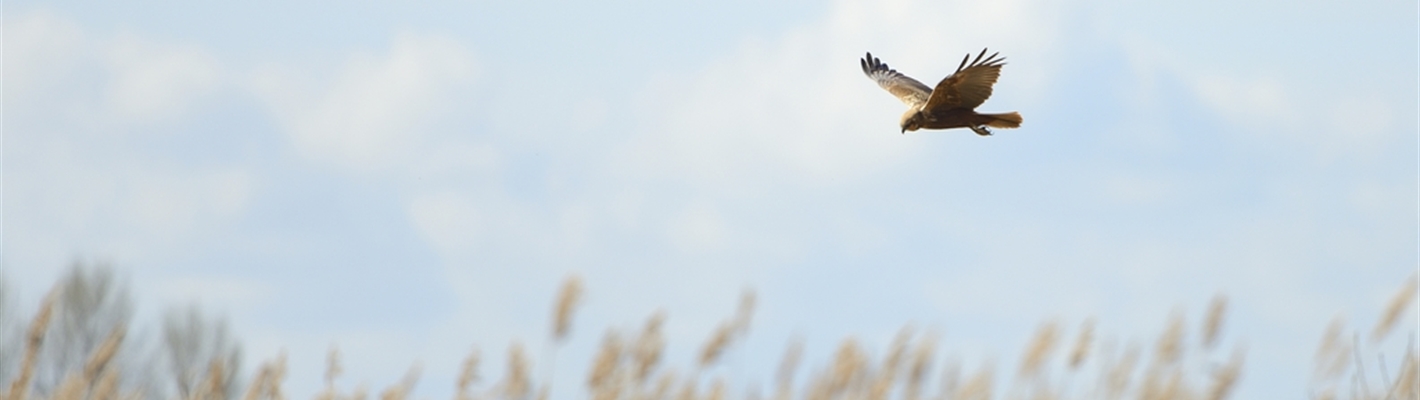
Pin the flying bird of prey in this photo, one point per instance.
(953, 103)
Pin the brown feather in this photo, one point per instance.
(969, 86)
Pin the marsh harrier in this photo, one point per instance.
(953, 103)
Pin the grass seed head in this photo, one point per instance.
(401, 390)
(608, 360)
(1226, 377)
(518, 382)
(1039, 349)
(101, 357)
(722, 338)
(567, 300)
(19, 388)
(919, 366)
(1333, 355)
(1213, 322)
(1170, 346)
(977, 388)
(788, 364)
(1394, 310)
(332, 367)
(849, 365)
(745, 312)
(1081, 352)
(468, 375)
(1121, 373)
(649, 346)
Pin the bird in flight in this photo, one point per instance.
(953, 103)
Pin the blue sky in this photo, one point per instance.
(408, 181)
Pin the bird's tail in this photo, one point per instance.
(1005, 120)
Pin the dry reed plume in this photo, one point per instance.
(631, 366)
(567, 300)
(19, 389)
(1340, 370)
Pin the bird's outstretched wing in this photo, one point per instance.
(969, 86)
(908, 90)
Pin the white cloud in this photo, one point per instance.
(450, 221)
(39, 47)
(1252, 102)
(49, 59)
(78, 202)
(73, 186)
(153, 82)
(699, 228)
(797, 108)
(1269, 101)
(378, 111)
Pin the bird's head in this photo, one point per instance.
(911, 121)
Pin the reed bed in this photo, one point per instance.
(1056, 364)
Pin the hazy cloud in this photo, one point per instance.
(378, 109)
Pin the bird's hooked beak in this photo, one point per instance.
(904, 130)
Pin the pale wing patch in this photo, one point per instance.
(909, 90)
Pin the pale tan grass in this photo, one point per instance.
(717, 390)
(886, 374)
(688, 390)
(632, 368)
(745, 312)
(567, 300)
(818, 388)
(849, 366)
(1121, 373)
(104, 354)
(1169, 349)
(788, 365)
(1397, 306)
(332, 371)
(267, 384)
(649, 346)
(107, 386)
(72, 388)
(1213, 321)
(1226, 377)
(897, 351)
(726, 333)
(211, 388)
(258, 384)
(662, 389)
(468, 375)
(920, 366)
(401, 389)
(716, 345)
(19, 388)
(1081, 352)
(1039, 349)
(1333, 355)
(950, 380)
(360, 393)
(333, 368)
(518, 380)
(607, 361)
(1407, 382)
(976, 388)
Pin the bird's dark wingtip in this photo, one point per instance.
(871, 64)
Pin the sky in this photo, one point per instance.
(409, 181)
